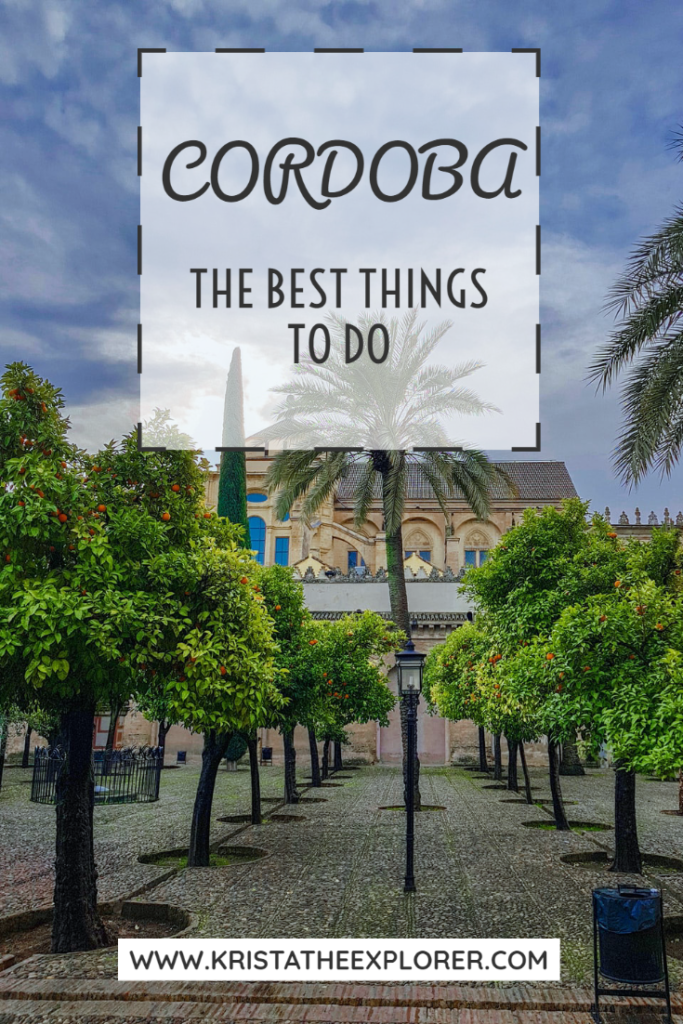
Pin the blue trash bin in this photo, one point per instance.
(630, 934)
(181, 757)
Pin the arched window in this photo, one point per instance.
(257, 537)
(257, 498)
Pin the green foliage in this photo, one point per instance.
(350, 656)
(648, 340)
(617, 659)
(450, 675)
(576, 633)
(232, 492)
(116, 580)
(332, 671)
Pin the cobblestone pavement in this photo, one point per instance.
(122, 832)
(339, 872)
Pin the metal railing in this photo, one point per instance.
(121, 776)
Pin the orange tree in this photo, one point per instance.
(549, 561)
(331, 670)
(618, 663)
(589, 668)
(464, 680)
(91, 608)
(300, 680)
(350, 657)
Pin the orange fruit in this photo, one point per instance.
(207, 515)
(223, 670)
(165, 516)
(63, 465)
(244, 580)
(603, 618)
(278, 607)
(549, 656)
(659, 626)
(101, 508)
(8, 558)
(312, 642)
(22, 471)
(175, 487)
(22, 503)
(617, 583)
(62, 517)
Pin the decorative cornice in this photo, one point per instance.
(418, 618)
(381, 576)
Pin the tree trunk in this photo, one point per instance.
(291, 792)
(315, 760)
(4, 729)
(512, 764)
(627, 856)
(398, 601)
(76, 924)
(215, 746)
(111, 731)
(561, 823)
(338, 763)
(26, 755)
(164, 726)
(527, 780)
(252, 744)
(680, 791)
(483, 763)
(497, 759)
(571, 762)
(326, 760)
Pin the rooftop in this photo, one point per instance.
(535, 481)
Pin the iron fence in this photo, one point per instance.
(121, 776)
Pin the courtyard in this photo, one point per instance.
(335, 868)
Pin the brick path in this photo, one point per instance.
(38, 1000)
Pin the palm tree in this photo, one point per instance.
(649, 300)
(393, 407)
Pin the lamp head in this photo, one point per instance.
(409, 667)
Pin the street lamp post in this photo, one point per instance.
(409, 664)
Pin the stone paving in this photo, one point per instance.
(339, 872)
(122, 833)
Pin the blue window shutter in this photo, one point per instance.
(257, 537)
(282, 550)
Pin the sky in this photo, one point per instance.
(611, 100)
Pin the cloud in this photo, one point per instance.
(611, 87)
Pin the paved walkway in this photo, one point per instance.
(338, 872)
(102, 1002)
